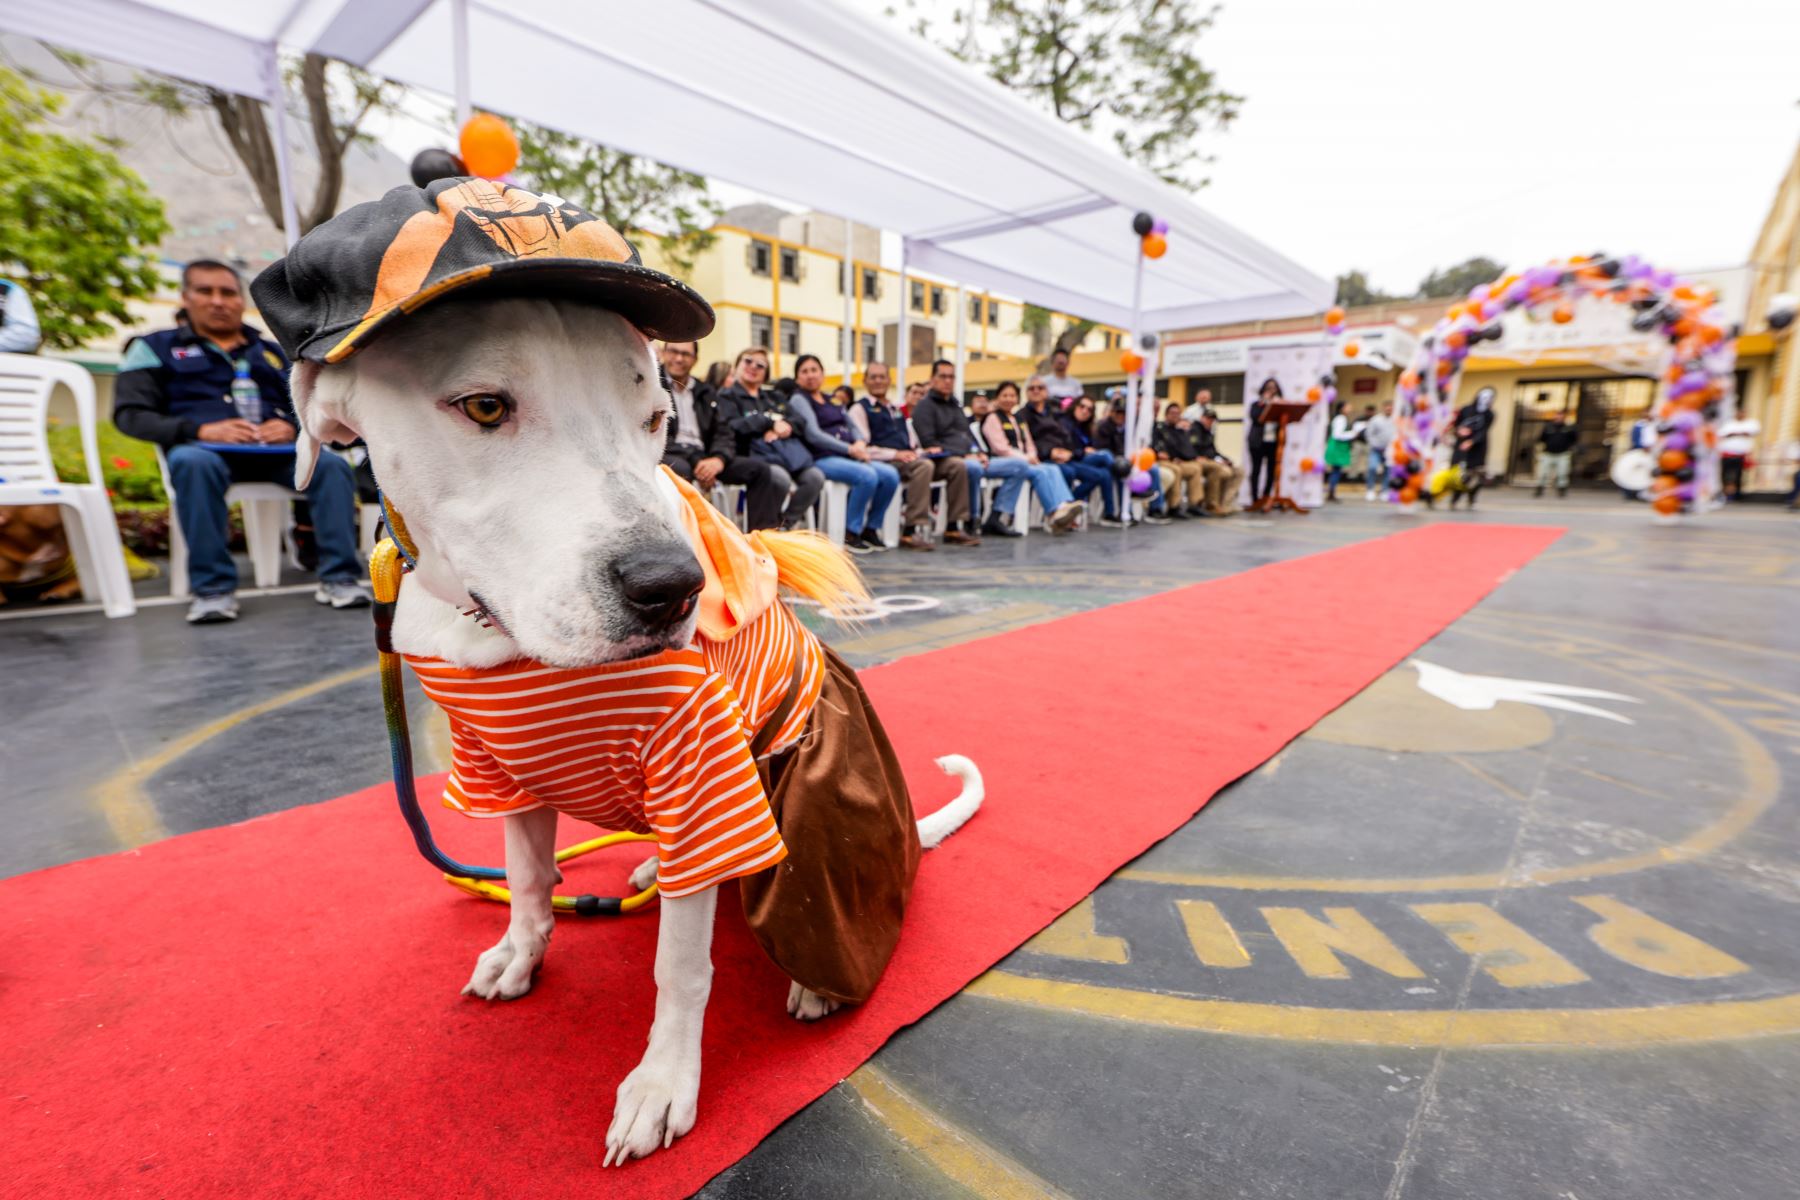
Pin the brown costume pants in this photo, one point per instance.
(829, 914)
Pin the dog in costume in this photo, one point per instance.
(604, 643)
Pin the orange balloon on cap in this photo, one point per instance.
(488, 146)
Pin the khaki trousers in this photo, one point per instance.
(1222, 483)
(955, 476)
(1177, 475)
(915, 479)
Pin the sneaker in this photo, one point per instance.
(1178, 513)
(1066, 516)
(213, 610)
(853, 542)
(1111, 523)
(873, 541)
(1368, 496)
(342, 595)
(1156, 518)
(995, 527)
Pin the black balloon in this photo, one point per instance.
(1781, 318)
(1147, 342)
(434, 164)
(1142, 224)
(1644, 322)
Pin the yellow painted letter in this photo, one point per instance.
(1512, 956)
(1344, 930)
(1072, 936)
(1215, 942)
(1645, 942)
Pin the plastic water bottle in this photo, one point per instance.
(245, 393)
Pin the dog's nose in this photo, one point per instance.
(659, 583)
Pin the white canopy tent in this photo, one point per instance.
(802, 98)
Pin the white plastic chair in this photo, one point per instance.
(1021, 507)
(27, 475)
(266, 508)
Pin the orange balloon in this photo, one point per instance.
(1352, 349)
(1668, 506)
(1410, 492)
(1672, 460)
(1562, 314)
(488, 146)
(1155, 245)
(1130, 361)
(1334, 315)
(1455, 312)
(1306, 464)
(1409, 379)
(1146, 458)
(1456, 339)
(1683, 292)
(1313, 394)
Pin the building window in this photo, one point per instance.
(869, 352)
(975, 310)
(937, 301)
(918, 296)
(790, 336)
(993, 315)
(790, 265)
(759, 257)
(871, 284)
(762, 331)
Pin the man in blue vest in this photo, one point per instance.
(882, 424)
(214, 395)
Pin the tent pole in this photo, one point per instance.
(459, 56)
(848, 340)
(284, 166)
(1131, 377)
(901, 355)
(962, 315)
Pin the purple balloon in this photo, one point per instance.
(1478, 293)
(1517, 292)
(1677, 440)
(1687, 419)
(1686, 491)
(1160, 226)
(1665, 279)
(1140, 482)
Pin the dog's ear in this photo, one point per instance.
(321, 401)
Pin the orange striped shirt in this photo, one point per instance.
(654, 745)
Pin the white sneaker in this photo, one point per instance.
(213, 610)
(341, 595)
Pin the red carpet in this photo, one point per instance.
(271, 1009)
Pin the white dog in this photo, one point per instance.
(520, 439)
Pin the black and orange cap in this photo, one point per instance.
(374, 264)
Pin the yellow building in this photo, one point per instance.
(1775, 268)
(776, 279)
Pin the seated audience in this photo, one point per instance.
(218, 381)
(701, 447)
(758, 418)
(1044, 423)
(943, 432)
(841, 456)
(1013, 456)
(883, 427)
(1109, 435)
(1078, 421)
(1223, 477)
(1179, 459)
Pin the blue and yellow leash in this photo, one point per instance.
(394, 555)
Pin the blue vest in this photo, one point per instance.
(886, 427)
(833, 420)
(195, 376)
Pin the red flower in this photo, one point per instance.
(124, 464)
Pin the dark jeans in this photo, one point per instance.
(201, 476)
(1084, 476)
(1731, 473)
(1262, 470)
(762, 499)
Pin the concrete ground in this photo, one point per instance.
(1431, 950)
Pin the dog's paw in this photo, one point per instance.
(645, 875)
(657, 1104)
(806, 1005)
(505, 970)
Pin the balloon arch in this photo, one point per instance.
(1699, 380)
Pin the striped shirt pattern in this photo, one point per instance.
(653, 745)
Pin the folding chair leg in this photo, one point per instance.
(263, 522)
(99, 555)
(178, 556)
(834, 501)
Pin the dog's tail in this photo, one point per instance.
(812, 565)
(948, 819)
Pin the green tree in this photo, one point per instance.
(628, 192)
(79, 226)
(1353, 288)
(1128, 69)
(337, 99)
(1457, 280)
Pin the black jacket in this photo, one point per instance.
(1559, 439)
(749, 417)
(186, 383)
(1047, 431)
(940, 421)
(715, 435)
(1204, 444)
(1175, 442)
(1110, 435)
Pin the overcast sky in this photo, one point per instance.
(1399, 135)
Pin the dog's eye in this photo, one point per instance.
(489, 412)
(654, 422)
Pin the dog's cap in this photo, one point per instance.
(373, 264)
